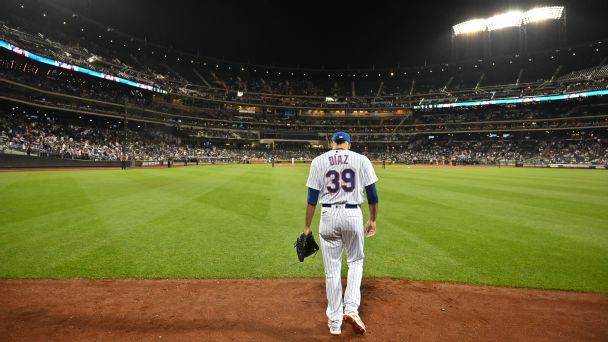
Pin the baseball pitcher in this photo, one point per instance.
(337, 180)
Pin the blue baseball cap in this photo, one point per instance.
(341, 135)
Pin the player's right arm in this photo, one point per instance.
(310, 212)
(314, 186)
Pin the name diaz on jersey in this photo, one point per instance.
(338, 160)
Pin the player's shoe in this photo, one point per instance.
(335, 328)
(355, 321)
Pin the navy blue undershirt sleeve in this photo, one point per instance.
(372, 194)
(313, 196)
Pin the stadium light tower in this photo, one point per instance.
(544, 13)
(512, 19)
(509, 19)
(541, 14)
(502, 21)
(471, 26)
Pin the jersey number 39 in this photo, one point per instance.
(347, 178)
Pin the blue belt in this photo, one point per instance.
(347, 206)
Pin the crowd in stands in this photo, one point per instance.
(45, 136)
(91, 140)
(573, 152)
(584, 151)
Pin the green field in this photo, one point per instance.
(517, 227)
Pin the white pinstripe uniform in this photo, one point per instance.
(341, 177)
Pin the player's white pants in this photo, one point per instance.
(342, 228)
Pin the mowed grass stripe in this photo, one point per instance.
(517, 227)
(456, 201)
(589, 207)
(112, 219)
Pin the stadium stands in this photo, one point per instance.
(66, 136)
(204, 108)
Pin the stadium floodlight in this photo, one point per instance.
(509, 19)
(471, 26)
(543, 13)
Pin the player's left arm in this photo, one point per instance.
(369, 181)
(372, 201)
(313, 197)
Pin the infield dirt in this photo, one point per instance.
(290, 310)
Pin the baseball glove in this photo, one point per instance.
(305, 246)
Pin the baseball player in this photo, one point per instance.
(338, 179)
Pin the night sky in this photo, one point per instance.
(333, 34)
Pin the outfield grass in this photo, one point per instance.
(517, 227)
